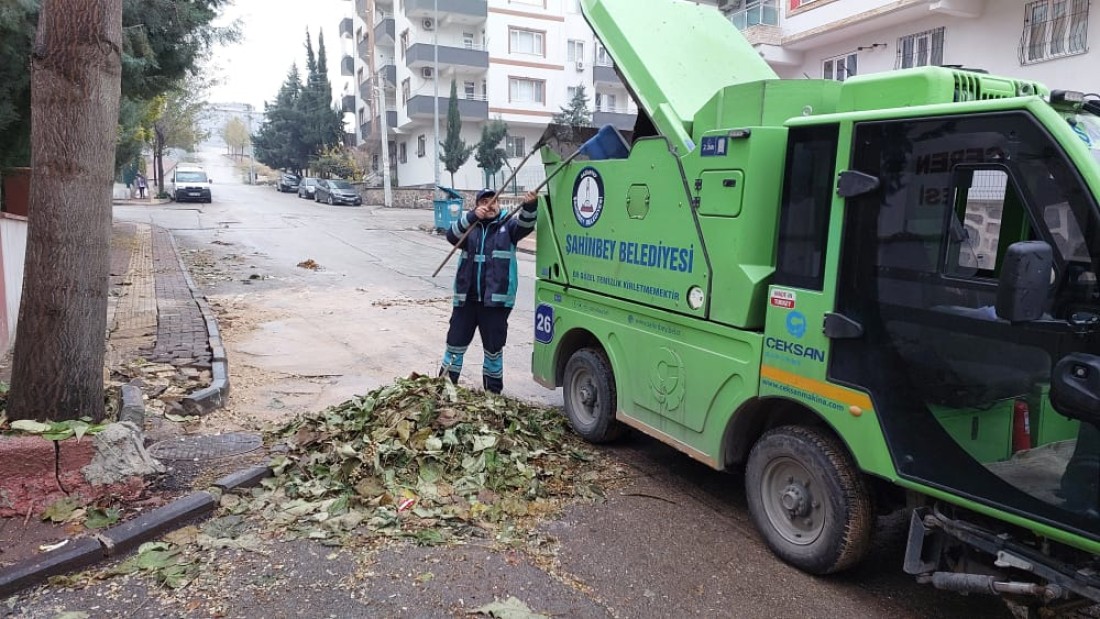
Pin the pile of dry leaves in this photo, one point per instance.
(425, 459)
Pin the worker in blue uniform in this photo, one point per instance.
(485, 283)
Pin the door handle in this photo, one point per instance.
(729, 182)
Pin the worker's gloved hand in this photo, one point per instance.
(530, 200)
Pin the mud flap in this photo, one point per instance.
(925, 545)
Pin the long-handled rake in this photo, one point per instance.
(560, 133)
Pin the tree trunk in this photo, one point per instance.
(75, 88)
(158, 154)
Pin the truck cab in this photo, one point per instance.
(875, 294)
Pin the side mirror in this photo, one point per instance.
(1075, 387)
(1024, 286)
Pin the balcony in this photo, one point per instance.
(364, 131)
(420, 106)
(622, 118)
(361, 8)
(452, 11)
(347, 66)
(756, 13)
(421, 55)
(363, 47)
(384, 31)
(347, 103)
(347, 27)
(388, 73)
(366, 91)
(605, 74)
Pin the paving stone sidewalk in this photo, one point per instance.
(157, 331)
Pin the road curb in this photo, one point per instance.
(119, 540)
(210, 398)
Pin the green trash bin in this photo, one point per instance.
(448, 209)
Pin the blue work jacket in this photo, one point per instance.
(487, 263)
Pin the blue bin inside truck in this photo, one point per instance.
(447, 209)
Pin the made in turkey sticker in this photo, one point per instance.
(783, 298)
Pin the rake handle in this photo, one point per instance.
(462, 238)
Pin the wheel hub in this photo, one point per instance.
(795, 499)
(588, 394)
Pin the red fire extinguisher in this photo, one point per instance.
(1021, 426)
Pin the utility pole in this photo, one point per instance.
(435, 101)
(380, 93)
(251, 149)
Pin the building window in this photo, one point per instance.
(570, 92)
(602, 57)
(374, 162)
(839, 68)
(526, 42)
(605, 103)
(748, 13)
(920, 50)
(403, 152)
(522, 90)
(469, 88)
(404, 43)
(515, 146)
(421, 145)
(362, 116)
(574, 50)
(797, 4)
(468, 40)
(406, 88)
(1053, 29)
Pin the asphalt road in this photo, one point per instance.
(676, 541)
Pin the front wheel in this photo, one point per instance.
(590, 398)
(808, 499)
(330, 201)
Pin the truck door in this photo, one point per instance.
(963, 395)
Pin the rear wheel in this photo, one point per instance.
(808, 499)
(590, 398)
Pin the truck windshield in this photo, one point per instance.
(191, 177)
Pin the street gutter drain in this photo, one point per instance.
(206, 447)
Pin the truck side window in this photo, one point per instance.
(987, 218)
(807, 197)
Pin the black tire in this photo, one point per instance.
(590, 396)
(809, 500)
(330, 201)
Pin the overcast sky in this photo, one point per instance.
(273, 38)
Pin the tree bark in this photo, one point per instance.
(75, 89)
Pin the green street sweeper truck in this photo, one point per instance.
(873, 294)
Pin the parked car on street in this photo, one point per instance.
(287, 182)
(337, 192)
(307, 187)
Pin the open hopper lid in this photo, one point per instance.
(674, 56)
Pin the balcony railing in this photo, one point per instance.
(622, 118)
(457, 9)
(347, 27)
(347, 103)
(422, 55)
(605, 74)
(383, 31)
(420, 106)
(363, 47)
(759, 13)
(347, 66)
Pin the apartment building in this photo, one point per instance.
(1043, 40)
(516, 60)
